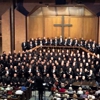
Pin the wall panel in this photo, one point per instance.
(6, 32)
(76, 29)
(20, 30)
(50, 29)
(90, 28)
(82, 26)
(35, 27)
(66, 29)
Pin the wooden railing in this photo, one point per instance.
(91, 53)
(69, 47)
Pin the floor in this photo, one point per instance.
(46, 96)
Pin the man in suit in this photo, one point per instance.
(75, 42)
(30, 81)
(60, 41)
(44, 70)
(24, 46)
(98, 48)
(15, 80)
(91, 76)
(36, 43)
(63, 78)
(23, 80)
(30, 45)
(45, 42)
(33, 42)
(70, 42)
(56, 41)
(48, 81)
(6, 80)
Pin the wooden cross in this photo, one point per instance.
(62, 25)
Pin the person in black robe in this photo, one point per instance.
(39, 85)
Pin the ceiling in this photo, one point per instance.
(68, 1)
(4, 6)
(33, 5)
(93, 5)
(65, 11)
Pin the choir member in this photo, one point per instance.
(63, 79)
(48, 81)
(23, 80)
(15, 80)
(24, 46)
(31, 81)
(6, 79)
(91, 76)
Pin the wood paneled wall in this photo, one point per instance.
(90, 28)
(20, 30)
(50, 30)
(76, 29)
(35, 27)
(6, 32)
(85, 27)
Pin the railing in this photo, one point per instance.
(69, 47)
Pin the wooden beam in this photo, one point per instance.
(34, 9)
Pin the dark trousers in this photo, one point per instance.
(40, 94)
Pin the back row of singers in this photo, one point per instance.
(88, 44)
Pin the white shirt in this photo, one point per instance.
(92, 96)
(7, 72)
(29, 70)
(79, 92)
